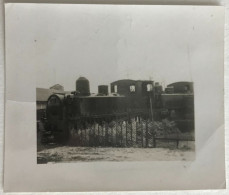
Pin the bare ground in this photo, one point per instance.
(185, 152)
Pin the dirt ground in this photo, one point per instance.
(55, 154)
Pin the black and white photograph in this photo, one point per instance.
(92, 106)
(121, 97)
(136, 120)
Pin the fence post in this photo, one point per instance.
(177, 142)
(126, 135)
(106, 133)
(85, 136)
(146, 133)
(89, 135)
(136, 132)
(116, 135)
(154, 141)
(131, 132)
(142, 133)
(112, 136)
(94, 142)
(81, 135)
(121, 134)
(99, 135)
(103, 134)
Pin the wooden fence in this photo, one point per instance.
(126, 133)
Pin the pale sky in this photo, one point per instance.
(106, 43)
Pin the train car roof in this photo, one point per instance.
(167, 94)
(101, 96)
(43, 94)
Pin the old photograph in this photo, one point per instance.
(137, 120)
(103, 97)
(93, 106)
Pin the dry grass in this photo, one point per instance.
(88, 154)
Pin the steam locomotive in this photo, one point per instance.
(128, 99)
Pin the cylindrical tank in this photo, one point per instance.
(82, 86)
(103, 89)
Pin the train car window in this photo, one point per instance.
(116, 89)
(149, 87)
(186, 88)
(132, 88)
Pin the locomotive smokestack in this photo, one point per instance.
(82, 86)
(103, 89)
